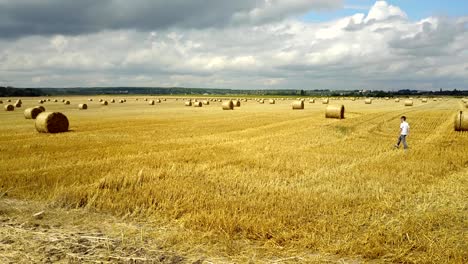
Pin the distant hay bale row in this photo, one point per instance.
(461, 121)
(298, 105)
(335, 111)
(32, 113)
(51, 122)
(409, 103)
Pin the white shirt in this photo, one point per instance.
(404, 126)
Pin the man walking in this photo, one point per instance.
(404, 132)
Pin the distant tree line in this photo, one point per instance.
(11, 91)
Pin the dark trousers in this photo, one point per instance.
(402, 139)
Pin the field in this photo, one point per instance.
(260, 184)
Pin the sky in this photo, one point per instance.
(243, 44)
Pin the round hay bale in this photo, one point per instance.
(335, 111)
(51, 122)
(298, 105)
(424, 100)
(236, 103)
(18, 105)
(206, 102)
(164, 99)
(32, 113)
(409, 103)
(228, 105)
(63, 100)
(146, 99)
(55, 100)
(104, 103)
(312, 101)
(19, 101)
(82, 106)
(325, 101)
(41, 107)
(9, 107)
(397, 100)
(435, 99)
(112, 101)
(353, 99)
(461, 121)
(158, 101)
(90, 99)
(48, 99)
(101, 100)
(368, 101)
(121, 101)
(40, 101)
(188, 103)
(1, 102)
(151, 102)
(66, 103)
(271, 101)
(197, 104)
(9, 100)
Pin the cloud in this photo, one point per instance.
(387, 51)
(70, 17)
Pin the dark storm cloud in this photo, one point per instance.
(71, 17)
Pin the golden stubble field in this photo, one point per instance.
(260, 181)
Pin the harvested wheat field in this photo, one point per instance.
(261, 183)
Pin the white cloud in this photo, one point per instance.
(382, 11)
(379, 50)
